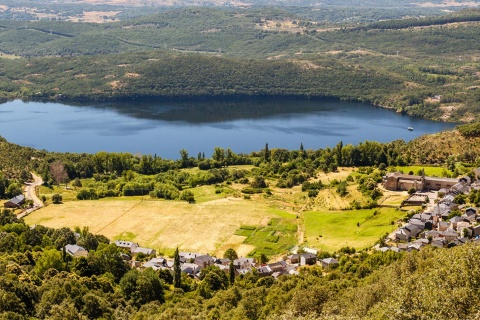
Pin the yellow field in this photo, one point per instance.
(162, 225)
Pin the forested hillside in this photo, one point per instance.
(38, 281)
(423, 67)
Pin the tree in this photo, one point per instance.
(142, 287)
(187, 195)
(266, 153)
(263, 258)
(58, 172)
(108, 259)
(230, 254)
(219, 155)
(231, 272)
(177, 271)
(184, 156)
(57, 198)
(77, 183)
(50, 259)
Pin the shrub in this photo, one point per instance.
(57, 198)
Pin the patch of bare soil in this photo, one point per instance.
(132, 75)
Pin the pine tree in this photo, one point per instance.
(177, 271)
(267, 153)
(232, 273)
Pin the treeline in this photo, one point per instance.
(467, 15)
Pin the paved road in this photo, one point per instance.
(30, 194)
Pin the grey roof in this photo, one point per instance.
(330, 261)
(18, 200)
(204, 258)
(72, 249)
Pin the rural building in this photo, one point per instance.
(397, 181)
(145, 251)
(244, 263)
(204, 261)
(307, 258)
(15, 202)
(190, 268)
(329, 263)
(76, 251)
(155, 264)
(131, 246)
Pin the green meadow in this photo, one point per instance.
(429, 171)
(332, 230)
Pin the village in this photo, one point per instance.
(192, 263)
(442, 222)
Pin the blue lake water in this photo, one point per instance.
(164, 128)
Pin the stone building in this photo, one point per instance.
(397, 181)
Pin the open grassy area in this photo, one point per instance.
(67, 194)
(279, 235)
(332, 230)
(429, 171)
(163, 225)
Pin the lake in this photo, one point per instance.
(164, 128)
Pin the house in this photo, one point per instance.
(476, 231)
(470, 211)
(155, 263)
(402, 235)
(145, 251)
(190, 268)
(437, 243)
(131, 246)
(223, 262)
(329, 263)
(293, 259)
(244, 263)
(455, 220)
(449, 235)
(418, 223)
(308, 258)
(76, 251)
(264, 271)
(277, 266)
(189, 256)
(204, 261)
(413, 229)
(15, 202)
(443, 225)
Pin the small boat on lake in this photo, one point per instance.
(410, 129)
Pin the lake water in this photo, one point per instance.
(164, 128)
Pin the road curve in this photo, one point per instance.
(30, 189)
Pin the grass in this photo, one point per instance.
(332, 230)
(67, 194)
(429, 171)
(207, 226)
(278, 236)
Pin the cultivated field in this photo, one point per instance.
(205, 227)
(332, 230)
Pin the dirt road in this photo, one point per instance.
(30, 193)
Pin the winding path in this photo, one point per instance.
(30, 194)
